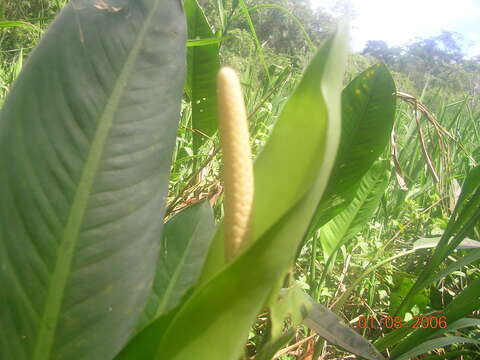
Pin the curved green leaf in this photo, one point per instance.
(86, 140)
(297, 146)
(186, 238)
(202, 66)
(368, 113)
(225, 305)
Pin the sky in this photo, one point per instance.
(396, 22)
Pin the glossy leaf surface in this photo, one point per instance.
(299, 145)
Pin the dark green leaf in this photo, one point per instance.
(368, 112)
(144, 347)
(472, 256)
(86, 141)
(299, 145)
(402, 283)
(462, 323)
(186, 238)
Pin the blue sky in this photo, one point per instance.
(397, 22)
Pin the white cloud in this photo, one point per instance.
(397, 22)
(474, 50)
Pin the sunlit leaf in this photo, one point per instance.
(235, 293)
(203, 63)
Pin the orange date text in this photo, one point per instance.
(397, 322)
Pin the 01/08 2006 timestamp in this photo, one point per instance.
(397, 322)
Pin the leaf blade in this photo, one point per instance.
(186, 238)
(202, 63)
(74, 179)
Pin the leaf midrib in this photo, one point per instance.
(48, 324)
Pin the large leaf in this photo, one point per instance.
(185, 242)
(86, 141)
(202, 66)
(225, 305)
(368, 113)
(292, 155)
(351, 220)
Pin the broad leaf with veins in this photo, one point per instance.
(86, 140)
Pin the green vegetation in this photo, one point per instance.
(366, 213)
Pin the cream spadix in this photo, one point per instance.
(237, 161)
